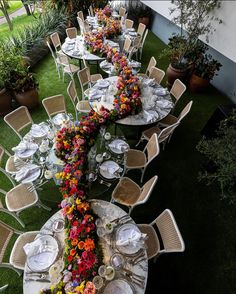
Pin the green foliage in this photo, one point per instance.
(206, 67)
(33, 34)
(14, 72)
(195, 18)
(221, 154)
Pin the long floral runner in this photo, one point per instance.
(82, 255)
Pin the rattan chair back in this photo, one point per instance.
(152, 148)
(71, 33)
(54, 105)
(157, 74)
(127, 45)
(91, 13)
(167, 132)
(83, 76)
(5, 236)
(80, 15)
(56, 41)
(177, 89)
(141, 29)
(185, 111)
(152, 63)
(169, 231)
(147, 189)
(128, 23)
(18, 119)
(122, 12)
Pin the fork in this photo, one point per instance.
(105, 183)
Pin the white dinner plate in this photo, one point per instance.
(60, 118)
(130, 248)
(108, 164)
(117, 142)
(118, 286)
(43, 254)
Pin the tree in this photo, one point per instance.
(26, 5)
(4, 10)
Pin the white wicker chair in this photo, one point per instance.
(169, 232)
(128, 193)
(17, 257)
(136, 159)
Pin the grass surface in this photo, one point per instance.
(19, 23)
(207, 224)
(13, 6)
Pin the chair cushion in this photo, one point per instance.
(152, 243)
(168, 120)
(10, 166)
(18, 256)
(149, 132)
(83, 106)
(135, 159)
(19, 198)
(126, 192)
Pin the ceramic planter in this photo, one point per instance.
(173, 73)
(30, 98)
(5, 102)
(198, 84)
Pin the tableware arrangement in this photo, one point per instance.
(128, 239)
(109, 169)
(119, 286)
(41, 253)
(28, 173)
(24, 150)
(118, 146)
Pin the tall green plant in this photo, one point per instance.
(48, 22)
(195, 18)
(221, 155)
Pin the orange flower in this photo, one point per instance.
(72, 252)
(89, 244)
(74, 242)
(81, 245)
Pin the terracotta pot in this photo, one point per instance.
(197, 84)
(5, 102)
(145, 20)
(30, 98)
(173, 73)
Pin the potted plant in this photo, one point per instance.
(5, 95)
(204, 70)
(25, 87)
(193, 23)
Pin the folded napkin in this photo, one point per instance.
(38, 130)
(149, 82)
(119, 145)
(111, 169)
(26, 171)
(161, 91)
(102, 83)
(24, 146)
(164, 104)
(150, 115)
(36, 247)
(129, 236)
(134, 64)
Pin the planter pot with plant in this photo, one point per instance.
(25, 87)
(204, 70)
(194, 19)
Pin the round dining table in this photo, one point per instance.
(156, 101)
(34, 281)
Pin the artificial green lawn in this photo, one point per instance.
(206, 222)
(13, 6)
(19, 23)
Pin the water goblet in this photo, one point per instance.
(98, 282)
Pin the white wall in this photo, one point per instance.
(224, 38)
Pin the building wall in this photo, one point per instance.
(222, 43)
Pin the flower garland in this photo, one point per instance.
(83, 255)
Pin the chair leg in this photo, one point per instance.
(40, 204)
(143, 171)
(130, 210)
